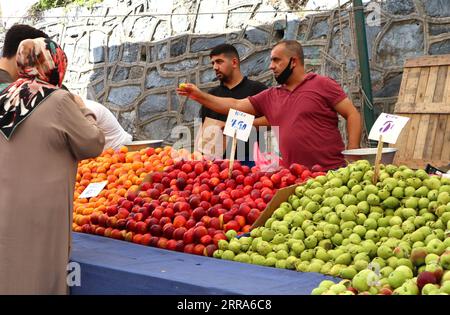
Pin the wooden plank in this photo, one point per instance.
(422, 85)
(428, 61)
(439, 138)
(429, 141)
(431, 86)
(440, 85)
(421, 164)
(402, 140)
(419, 147)
(412, 135)
(422, 108)
(446, 98)
(402, 91)
(411, 85)
(445, 155)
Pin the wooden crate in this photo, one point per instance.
(425, 97)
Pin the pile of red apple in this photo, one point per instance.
(191, 205)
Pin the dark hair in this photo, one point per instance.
(226, 49)
(16, 34)
(294, 48)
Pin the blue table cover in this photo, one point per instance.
(110, 266)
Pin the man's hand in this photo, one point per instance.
(190, 90)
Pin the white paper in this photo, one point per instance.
(389, 126)
(93, 189)
(240, 123)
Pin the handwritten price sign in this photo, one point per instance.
(389, 126)
(238, 123)
(93, 189)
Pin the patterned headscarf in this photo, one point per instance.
(42, 65)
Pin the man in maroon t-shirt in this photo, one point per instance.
(304, 106)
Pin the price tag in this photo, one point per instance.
(238, 123)
(389, 127)
(93, 189)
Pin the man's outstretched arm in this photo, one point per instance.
(220, 105)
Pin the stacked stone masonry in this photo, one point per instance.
(131, 54)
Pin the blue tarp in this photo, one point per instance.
(110, 266)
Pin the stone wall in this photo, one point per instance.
(131, 54)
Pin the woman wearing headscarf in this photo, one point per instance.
(44, 132)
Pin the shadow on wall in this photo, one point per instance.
(137, 81)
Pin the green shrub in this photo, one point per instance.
(49, 4)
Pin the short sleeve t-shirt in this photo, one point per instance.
(307, 120)
(115, 135)
(244, 89)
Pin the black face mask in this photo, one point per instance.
(284, 76)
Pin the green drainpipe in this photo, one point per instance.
(364, 68)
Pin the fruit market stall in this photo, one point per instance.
(109, 266)
(382, 234)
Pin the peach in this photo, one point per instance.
(189, 248)
(179, 221)
(199, 249)
(209, 250)
(199, 232)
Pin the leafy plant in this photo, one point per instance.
(49, 4)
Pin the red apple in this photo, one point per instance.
(116, 234)
(137, 238)
(164, 220)
(155, 230)
(190, 223)
(215, 223)
(199, 232)
(227, 203)
(188, 236)
(189, 248)
(141, 227)
(306, 174)
(317, 168)
(209, 250)
(154, 241)
(179, 221)
(111, 211)
(219, 236)
(112, 222)
(100, 231)
(121, 224)
(198, 249)
(206, 239)
(240, 220)
(179, 247)
(157, 213)
(232, 225)
(145, 239)
(198, 213)
(194, 201)
(178, 233)
(253, 215)
(168, 212)
(162, 242)
(171, 244)
(168, 230)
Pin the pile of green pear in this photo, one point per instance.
(342, 224)
(433, 278)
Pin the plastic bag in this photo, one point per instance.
(266, 161)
